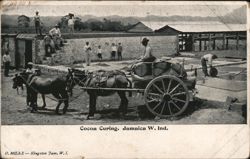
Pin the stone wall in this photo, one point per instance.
(73, 50)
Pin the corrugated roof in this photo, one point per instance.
(154, 25)
(26, 36)
(209, 28)
(197, 26)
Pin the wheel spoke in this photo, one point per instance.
(169, 109)
(154, 94)
(163, 107)
(183, 101)
(177, 94)
(163, 85)
(169, 84)
(152, 100)
(157, 106)
(175, 105)
(175, 88)
(158, 88)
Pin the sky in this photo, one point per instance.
(125, 8)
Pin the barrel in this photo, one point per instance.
(213, 72)
(141, 69)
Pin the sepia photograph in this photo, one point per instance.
(122, 67)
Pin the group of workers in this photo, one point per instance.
(38, 23)
(53, 41)
(206, 60)
(114, 50)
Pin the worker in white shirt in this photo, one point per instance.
(147, 56)
(206, 61)
(30, 68)
(87, 50)
(37, 23)
(71, 22)
(6, 62)
(55, 33)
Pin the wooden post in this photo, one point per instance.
(214, 43)
(223, 41)
(227, 43)
(209, 41)
(205, 44)
(200, 42)
(182, 42)
(237, 41)
(193, 46)
(177, 43)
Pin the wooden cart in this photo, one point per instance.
(164, 95)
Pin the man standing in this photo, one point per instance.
(6, 62)
(87, 50)
(207, 60)
(37, 23)
(99, 53)
(119, 51)
(47, 41)
(71, 22)
(113, 51)
(147, 56)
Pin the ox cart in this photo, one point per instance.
(166, 87)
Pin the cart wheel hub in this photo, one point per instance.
(167, 97)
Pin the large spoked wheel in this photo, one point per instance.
(166, 96)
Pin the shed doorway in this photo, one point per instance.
(28, 52)
(24, 53)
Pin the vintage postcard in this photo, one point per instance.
(126, 79)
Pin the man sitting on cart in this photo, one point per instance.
(147, 56)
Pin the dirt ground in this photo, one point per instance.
(15, 112)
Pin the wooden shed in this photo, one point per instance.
(25, 49)
(201, 37)
(140, 28)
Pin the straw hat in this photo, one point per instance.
(30, 63)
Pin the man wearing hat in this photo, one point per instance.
(207, 59)
(71, 23)
(55, 33)
(30, 68)
(37, 23)
(147, 56)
